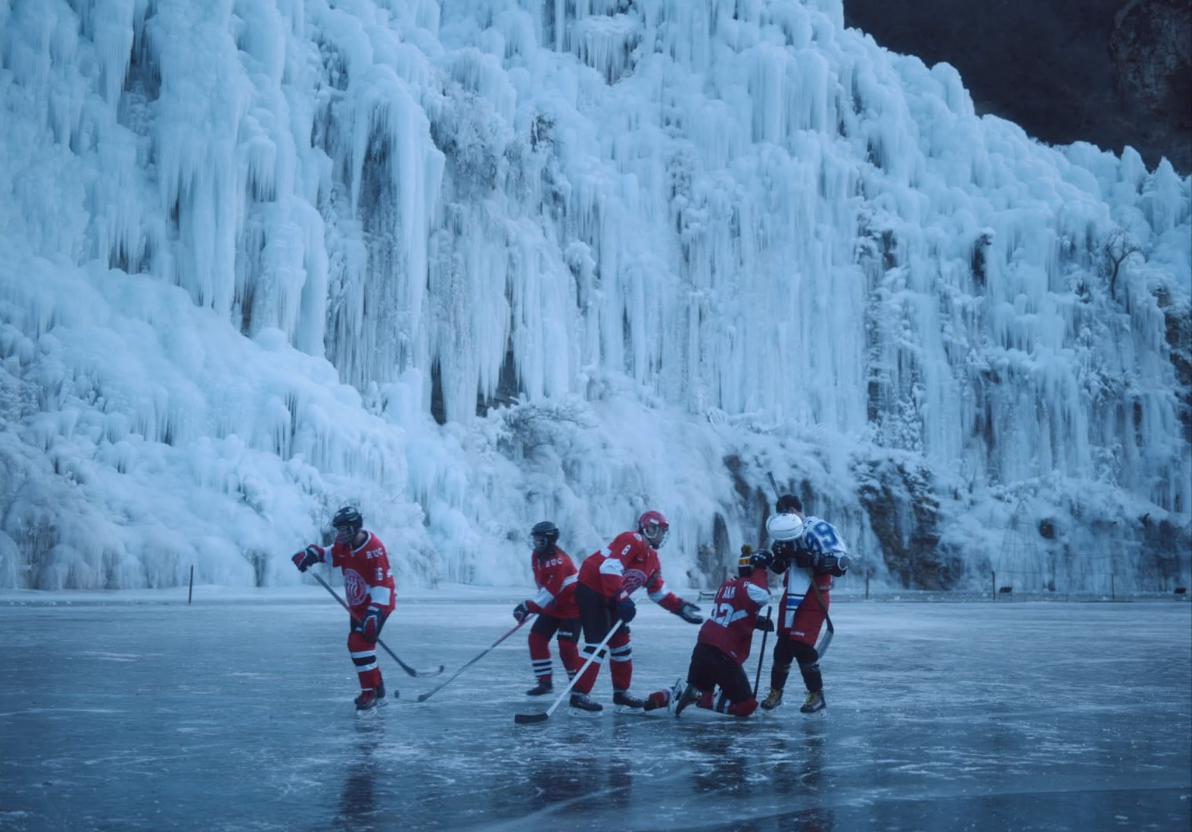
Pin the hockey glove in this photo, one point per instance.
(805, 559)
(689, 612)
(783, 552)
(834, 565)
(626, 609)
(764, 624)
(521, 611)
(370, 624)
(308, 557)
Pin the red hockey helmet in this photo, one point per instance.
(653, 527)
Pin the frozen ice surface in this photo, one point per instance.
(237, 714)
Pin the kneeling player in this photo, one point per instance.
(726, 637)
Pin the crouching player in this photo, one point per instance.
(726, 637)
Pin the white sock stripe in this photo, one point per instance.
(364, 668)
(624, 650)
(622, 659)
(366, 654)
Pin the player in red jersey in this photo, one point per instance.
(554, 574)
(607, 579)
(371, 594)
(818, 554)
(726, 637)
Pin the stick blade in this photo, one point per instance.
(422, 697)
(528, 719)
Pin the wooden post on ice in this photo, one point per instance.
(993, 584)
(190, 593)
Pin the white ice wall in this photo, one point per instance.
(250, 247)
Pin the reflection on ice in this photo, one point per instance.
(240, 716)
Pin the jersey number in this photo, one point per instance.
(821, 536)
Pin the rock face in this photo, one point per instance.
(1111, 72)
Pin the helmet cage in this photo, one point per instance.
(543, 536)
(655, 532)
(347, 524)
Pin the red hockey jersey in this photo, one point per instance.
(555, 578)
(624, 565)
(367, 579)
(729, 627)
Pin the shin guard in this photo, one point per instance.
(540, 657)
(588, 678)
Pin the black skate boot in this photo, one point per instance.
(690, 696)
(627, 700)
(540, 689)
(584, 703)
(814, 702)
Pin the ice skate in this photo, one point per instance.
(814, 702)
(540, 689)
(584, 702)
(773, 699)
(664, 698)
(689, 696)
(627, 700)
(369, 698)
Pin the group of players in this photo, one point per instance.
(597, 601)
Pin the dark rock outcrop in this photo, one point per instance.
(904, 515)
(1110, 72)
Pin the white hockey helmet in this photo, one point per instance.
(784, 528)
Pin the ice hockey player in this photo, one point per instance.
(555, 577)
(607, 580)
(371, 594)
(816, 552)
(726, 637)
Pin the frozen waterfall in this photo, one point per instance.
(477, 263)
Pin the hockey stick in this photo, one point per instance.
(761, 656)
(411, 671)
(823, 648)
(525, 719)
(422, 697)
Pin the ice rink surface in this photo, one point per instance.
(236, 714)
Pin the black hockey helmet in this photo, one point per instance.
(544, 535)
(347, 523)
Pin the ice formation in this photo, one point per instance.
(478, 263)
